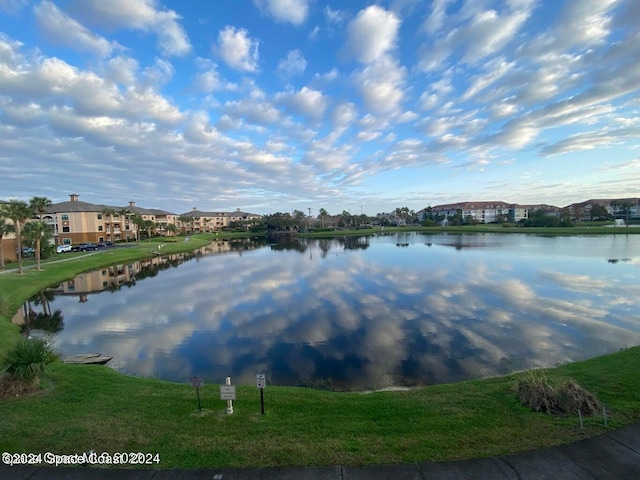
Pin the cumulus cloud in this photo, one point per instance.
(237, 49)
(381, 85)
(293, 64)
(285, 11)
(139, 15)
(372, 34)
(64, 30)
(306, 102)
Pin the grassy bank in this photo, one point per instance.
(82, 408)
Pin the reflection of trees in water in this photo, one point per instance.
(286, 242)
(47, 321)
(354, 243)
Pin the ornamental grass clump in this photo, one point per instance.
(566, 398)
(27, 360)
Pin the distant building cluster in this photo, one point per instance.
(75, 221)
(498, 212)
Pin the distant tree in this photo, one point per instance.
(5, 229)
(599, 212)
(184, 220)
(321, 214)
(110, 212)
(124, 214)
(37, 232)
(173, 229)
(138, 221)
(19, 212)
(39, 205)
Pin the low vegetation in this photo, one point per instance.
(81, 408)
(27, 360)
(565, 398)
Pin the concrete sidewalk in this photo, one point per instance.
(610, 456)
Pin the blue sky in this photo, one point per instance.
(271, 105)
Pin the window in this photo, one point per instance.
(100, 228)
(65, 230)
(66, 241)
(64, 217)
(99, 216)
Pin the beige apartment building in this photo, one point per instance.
(76, 221)
(213, 221)
(489, 212)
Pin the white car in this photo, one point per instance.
(63, 248)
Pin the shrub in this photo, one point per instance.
(535, 391)
(27, 360)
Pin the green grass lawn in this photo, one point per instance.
(83, 408)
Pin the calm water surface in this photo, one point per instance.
(355, 313)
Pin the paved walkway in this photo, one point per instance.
(610, 456)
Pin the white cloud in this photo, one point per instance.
(306, 102)
(436, 18)
(479, 34)
(160, 72)
(121, 70)
(237, 50)
(291, 11)
(334, 16)
(372, 34)
(64, 30)
(141, 15)
(381, 85)
(294, 64)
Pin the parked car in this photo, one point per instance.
(85, 247)
(105, 244)
(63, 248)
(28, 251)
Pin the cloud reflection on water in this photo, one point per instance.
(336, 313)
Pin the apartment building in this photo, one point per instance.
(481, 212)
(161, 218)
(213, 221)
(488, 212)
(617, 207)
(76, 221)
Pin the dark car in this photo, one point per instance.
(28, 251)
(85, 247)
(105, 244)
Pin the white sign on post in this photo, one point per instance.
(227, 392)
(261, 380)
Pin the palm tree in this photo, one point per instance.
(39, 205)
(149, 224)
(172, 228)
(5, 229)
(19, 212)
(110, 212)
(138, 221)
(37, 232)
(322, 213)
(184, 219)
(124, 212)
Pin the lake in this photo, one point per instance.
(353, 313)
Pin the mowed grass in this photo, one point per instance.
(82, 408)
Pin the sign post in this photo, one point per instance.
(196, 382)
(261, 382)
(228, 393)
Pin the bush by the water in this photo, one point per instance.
(27, 360)
(566, 398)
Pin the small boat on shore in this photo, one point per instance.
(88, 359)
